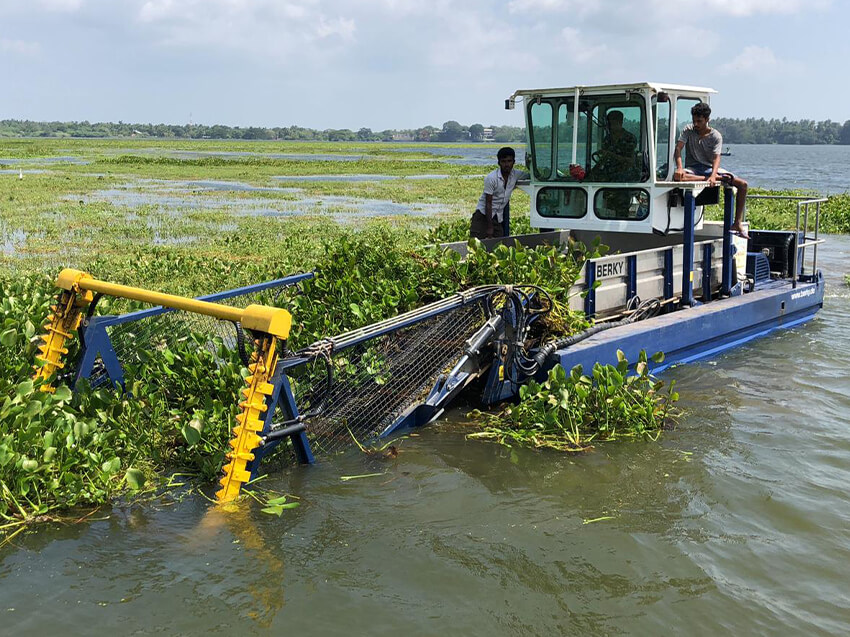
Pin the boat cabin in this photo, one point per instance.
(601, 157)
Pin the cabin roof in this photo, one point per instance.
(602, 88)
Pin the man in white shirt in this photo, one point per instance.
(486, 221)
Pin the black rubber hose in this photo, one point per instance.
(546, 351)
(288, 428)
(93, 304)
(240, 344)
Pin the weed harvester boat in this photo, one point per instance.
(673, 282)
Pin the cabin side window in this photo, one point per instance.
(540, 117)
(683, 113)
(662, 138)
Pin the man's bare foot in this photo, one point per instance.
(739, 230)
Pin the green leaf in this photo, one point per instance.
(63, 393)
(191, 434)
(277, 510)
(111, 466)
(658, 357)
(277, 501)
(135, 478)
(9, 337)
(33, 408)
(24, 388)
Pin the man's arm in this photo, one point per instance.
(677, 155)
(488, 213)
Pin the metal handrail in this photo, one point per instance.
(803, 202)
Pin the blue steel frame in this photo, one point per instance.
(729, 202)
(688, 251)
(706, 272)
(631, 276)
(281, 396)
(590, 289)
(668, 279)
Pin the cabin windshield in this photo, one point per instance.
(610, 146)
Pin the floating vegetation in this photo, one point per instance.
(60, 451)
(771, 214)
(571, 411)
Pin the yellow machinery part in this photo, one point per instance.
(246, 434)
(65, 317)
(259, 318)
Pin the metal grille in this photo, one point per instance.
(378, 380)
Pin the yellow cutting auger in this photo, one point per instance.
(259, 397)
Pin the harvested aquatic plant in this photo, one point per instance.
(570, 411)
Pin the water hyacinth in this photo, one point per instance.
(61, 451)
(570, 411)
(58, 451)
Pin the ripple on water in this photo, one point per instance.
(734, 523)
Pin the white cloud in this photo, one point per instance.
(521, 6)
(753, 59)
(751, 7)
(268, 28)
(19, 47)
(62, 6)
(759, 61)
(578, 49)
(471, 43)
(735, 8)
(342, 27)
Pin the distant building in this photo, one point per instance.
(402, 137)
(487, 135)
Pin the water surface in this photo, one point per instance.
(737, 522)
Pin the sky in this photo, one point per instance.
(397, 64)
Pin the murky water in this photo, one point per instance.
(358, 178)
(11, 239)
(737, 522)
(44, 160)
(174, 196)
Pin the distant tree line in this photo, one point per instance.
(451, 131)
(781, 131)
(735, 131)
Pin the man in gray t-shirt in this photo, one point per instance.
(702, 145)
(700, 150)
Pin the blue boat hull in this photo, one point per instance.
(704, 330)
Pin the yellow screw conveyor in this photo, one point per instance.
(266, 323)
